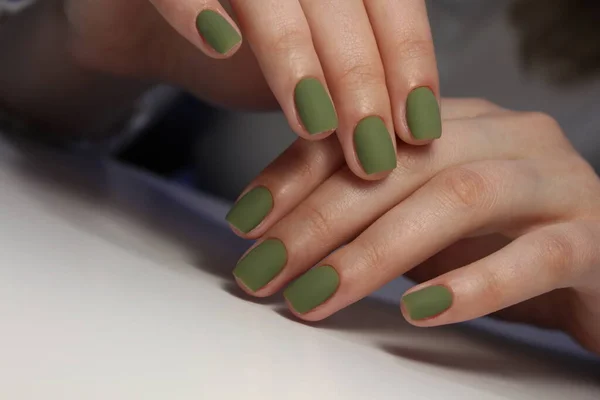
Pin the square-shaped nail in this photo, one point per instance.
(423, 114)
(314, 106)
(251, 209)
(312, 289)
(217, 31)
(261, 264)
(374, 146)
(427, 302)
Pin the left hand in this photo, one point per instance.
(500, 216)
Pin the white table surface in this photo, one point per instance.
(114, 285)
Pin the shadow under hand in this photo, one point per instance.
(458, 348)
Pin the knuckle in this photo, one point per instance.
(495, 290)
(361, 73)
(411, 159)
(373, 255)
(559, 252)
(297, 161)
(544, 124)
(588, 249)
(540, 119)
(414, 49)
(290, 37)
(318, 222)
(466, 188)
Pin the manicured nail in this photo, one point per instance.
(374, 146)
(314, 106)
(261, 264)
(428, 302)
(312, 289)
(251, 209)
(423, 114)
(217, 31)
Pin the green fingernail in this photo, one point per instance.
(428, 302)
(261, 264)
(312, 289)
(374, 146)
(423, 114)
(314, 106)
(217, 31)
(251, 209)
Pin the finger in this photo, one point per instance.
(456, 203)
(344, 205)
(461, 253)
(348, 51)
(404, 38)
(549, 258)
(283, 184)
(205, 23)
(281, 39)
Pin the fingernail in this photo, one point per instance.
(374, 146)
(314, 106)
(217, 31)
(423, 114)
(251, 209)
(312, 289)
(428, 302)
(261, 264)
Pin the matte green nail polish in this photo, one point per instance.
(428, 302)
(217, 31)
(374, 146)
(312, 289)
(423, 114)
(314, 106)
(251, 209)
(261, 264)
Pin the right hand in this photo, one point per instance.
(330, 64)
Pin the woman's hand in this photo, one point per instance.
(364, 68)
(501, 216)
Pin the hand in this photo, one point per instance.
(501, 217)
(369, 63)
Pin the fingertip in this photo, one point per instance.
(422, 306)
(248, 214)
(252, 235)
(422, 116)
(311, 137)
(405, 136)
(372, 177)
(220, 35)
(309, 316)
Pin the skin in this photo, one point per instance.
(502, 211)
(369, 55)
